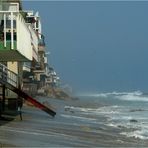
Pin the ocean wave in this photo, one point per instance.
(112, 125)
(114, 93)
(137, 93)
(78, 117)
(133, 97)
(121, 118)
(101, 110)
(82, 109)
(108, 110)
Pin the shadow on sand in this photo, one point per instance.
(5, 119)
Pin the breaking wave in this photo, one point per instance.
(127, 96)
(124, 110)
(114, 93)
(100, 110)
(133, 96)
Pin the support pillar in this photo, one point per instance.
(3, 98)
(0, 109)
(20, 83)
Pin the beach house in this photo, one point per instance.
(22, 52)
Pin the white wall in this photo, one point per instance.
(23, 38)
(34, 41)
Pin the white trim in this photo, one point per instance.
(12, 38)
(4, 30)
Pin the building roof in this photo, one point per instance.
(14, 1)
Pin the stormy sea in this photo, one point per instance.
(115, 119)
(121, 109)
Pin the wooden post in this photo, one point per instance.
(20, 83)
(3, 100)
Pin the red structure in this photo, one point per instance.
(6, 80)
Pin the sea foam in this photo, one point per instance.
(140, 134)
(114, 93)
(132, 97)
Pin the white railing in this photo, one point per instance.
(5, 7)
(7, 20)
(23, 34)
(27, 39)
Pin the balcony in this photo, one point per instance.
(41, 44)
(38, 69)
(49, 80)
(41, 48)
(18, 42)
(27, 66)
(45, 60)
(42, 41)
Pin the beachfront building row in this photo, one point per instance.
(22, 48)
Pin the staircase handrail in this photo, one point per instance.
(6, 80)
(8, 75)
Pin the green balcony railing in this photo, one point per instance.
(8, 45)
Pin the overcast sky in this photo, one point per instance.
(97, 46)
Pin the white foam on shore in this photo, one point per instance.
(122, 118)
(79, 108)
(139, 134)
(112, 125)
(128, 115)
(141, 128)
(100, 110)
(78, 117)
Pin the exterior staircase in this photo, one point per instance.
(9, 79)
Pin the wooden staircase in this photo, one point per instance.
(9, 79)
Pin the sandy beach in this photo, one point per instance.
(67, 129)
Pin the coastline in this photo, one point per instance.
(67, 129)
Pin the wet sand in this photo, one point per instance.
(38, 129)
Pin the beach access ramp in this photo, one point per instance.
(10, 80)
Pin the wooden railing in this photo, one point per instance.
(8, 76)
(10, 80)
